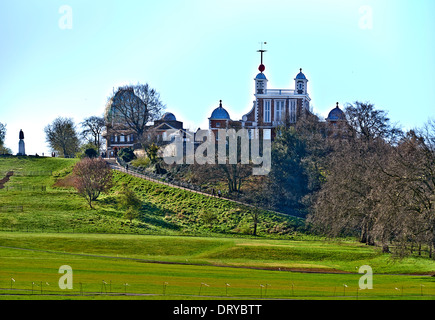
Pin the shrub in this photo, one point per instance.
(127, 154)
(141, 162)
(128, 198)
(91, 153)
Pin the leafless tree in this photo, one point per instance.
(368, 123)
(131, 109)
(92, 128)
(92, 176)
(380, 185)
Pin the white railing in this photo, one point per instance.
(283, 92)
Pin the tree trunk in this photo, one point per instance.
(385, 248)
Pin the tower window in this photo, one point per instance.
(266, 111)
(293, 111)
(279, 110)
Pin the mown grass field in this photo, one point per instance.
(170, 253)
(198, 268)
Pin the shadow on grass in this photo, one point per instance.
(148, 213)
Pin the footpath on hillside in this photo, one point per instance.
(4, 180)
(116, 166)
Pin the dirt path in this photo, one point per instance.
(6, 179)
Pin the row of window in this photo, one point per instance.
(127, 138)
(279, 110)
(254, 134)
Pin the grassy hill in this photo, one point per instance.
(52, 226)
(39, 197)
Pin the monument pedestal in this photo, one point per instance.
(21, 148)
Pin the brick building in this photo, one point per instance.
(273, 107)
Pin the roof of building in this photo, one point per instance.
(168, 116)
(336, 114)
(261, 76)
(220, 113)
(300, 75)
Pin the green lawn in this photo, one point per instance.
(171, 242)
(120, 259)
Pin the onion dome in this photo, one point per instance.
(260, 76)
(220, 113)
(300, 75)
(336, 114)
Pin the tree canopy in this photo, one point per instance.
(132, 108)
(62, 136)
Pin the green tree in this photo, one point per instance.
(3, 149)
(61, 135)
(152, 152)
(2, 134)
(288, 178)
(130, 202)
(127, 154)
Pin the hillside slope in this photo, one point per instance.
(39, 197)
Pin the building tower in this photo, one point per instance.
(301, 83)
(260, 79)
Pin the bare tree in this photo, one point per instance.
(92, 176)
(349, 199)
(92, 128)
(131, 109)
(235, 174)
(411, 188)
(379, 184)
(62, 136)
(369, 123)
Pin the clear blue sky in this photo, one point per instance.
(196, 52)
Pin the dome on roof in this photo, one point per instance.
(300, 75)
(220, 113)
(261, 76)
(168, 116)
(336, 114)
